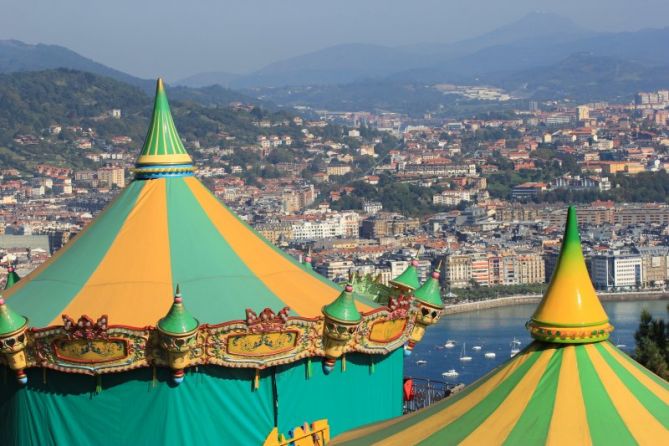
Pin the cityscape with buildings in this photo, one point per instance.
(334, 223)
(492, 191)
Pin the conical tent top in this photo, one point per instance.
(10, 321)
(162, 146)
(430, 292)
(12, 277)
(178, 320)
(343, 309)
(570, 311)
(409, 278)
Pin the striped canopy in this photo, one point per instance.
(166, 229)
(569, 387)
(548, 394)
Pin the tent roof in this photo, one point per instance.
(547, 394)
(166, 229)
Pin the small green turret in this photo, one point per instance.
(10, 321)
(341, 322)
(178, 320)
(408, 280)
(307, 262)
(12, 277)
(430, 292)
(343, 309)
(178, 335)
(13, 340)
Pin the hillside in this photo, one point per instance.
(17, 56)
(585, 76)
(30, 102)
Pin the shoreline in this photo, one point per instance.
(535, 298)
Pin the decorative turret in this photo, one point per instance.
(163, 153)
(307, 261)
(12, 277)
(430, 305)
(408, 280)
(178, 333)
(341, 322)
(13, 340)
(570, 311)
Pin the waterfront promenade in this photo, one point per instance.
(535, 298)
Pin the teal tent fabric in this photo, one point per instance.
(360, 395)
(214, 405)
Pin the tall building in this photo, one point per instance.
(582, 112)
(654, 264)
(616, 271)
(111, 176)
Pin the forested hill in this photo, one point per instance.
(31, 102)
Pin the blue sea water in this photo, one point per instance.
(494, 329)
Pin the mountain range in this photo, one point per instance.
(17, 56)
(540, 55)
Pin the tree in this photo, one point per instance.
(652, 338)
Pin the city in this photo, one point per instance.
(467, 204)
(334, 223)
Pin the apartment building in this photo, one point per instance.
(616, 271)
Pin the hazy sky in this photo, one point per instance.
(176, 38)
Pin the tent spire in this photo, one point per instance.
(163, 153)
(570, 311)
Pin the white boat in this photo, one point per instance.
(618, 345)
(514, 347)
(450, 374)
(476, 348)
(463, 355)
(421, 362)
(490, 355)
(449, 344)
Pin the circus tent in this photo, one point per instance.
(570, 386)
(105, 352)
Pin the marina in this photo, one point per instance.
(495, 329)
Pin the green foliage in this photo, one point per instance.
(30, 102)
(652, 342)
(404, 198)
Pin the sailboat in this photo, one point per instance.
(452, 373)
(618, 344)
(463, 355)
(477, 348)
(514, 347)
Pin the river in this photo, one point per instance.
(493, 329)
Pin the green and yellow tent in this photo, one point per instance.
(166, 228)
(571, 386)
(103, 325)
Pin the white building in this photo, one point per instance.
(345, 224)
(451, 197)
(616, 271)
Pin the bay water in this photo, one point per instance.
(494, 329)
